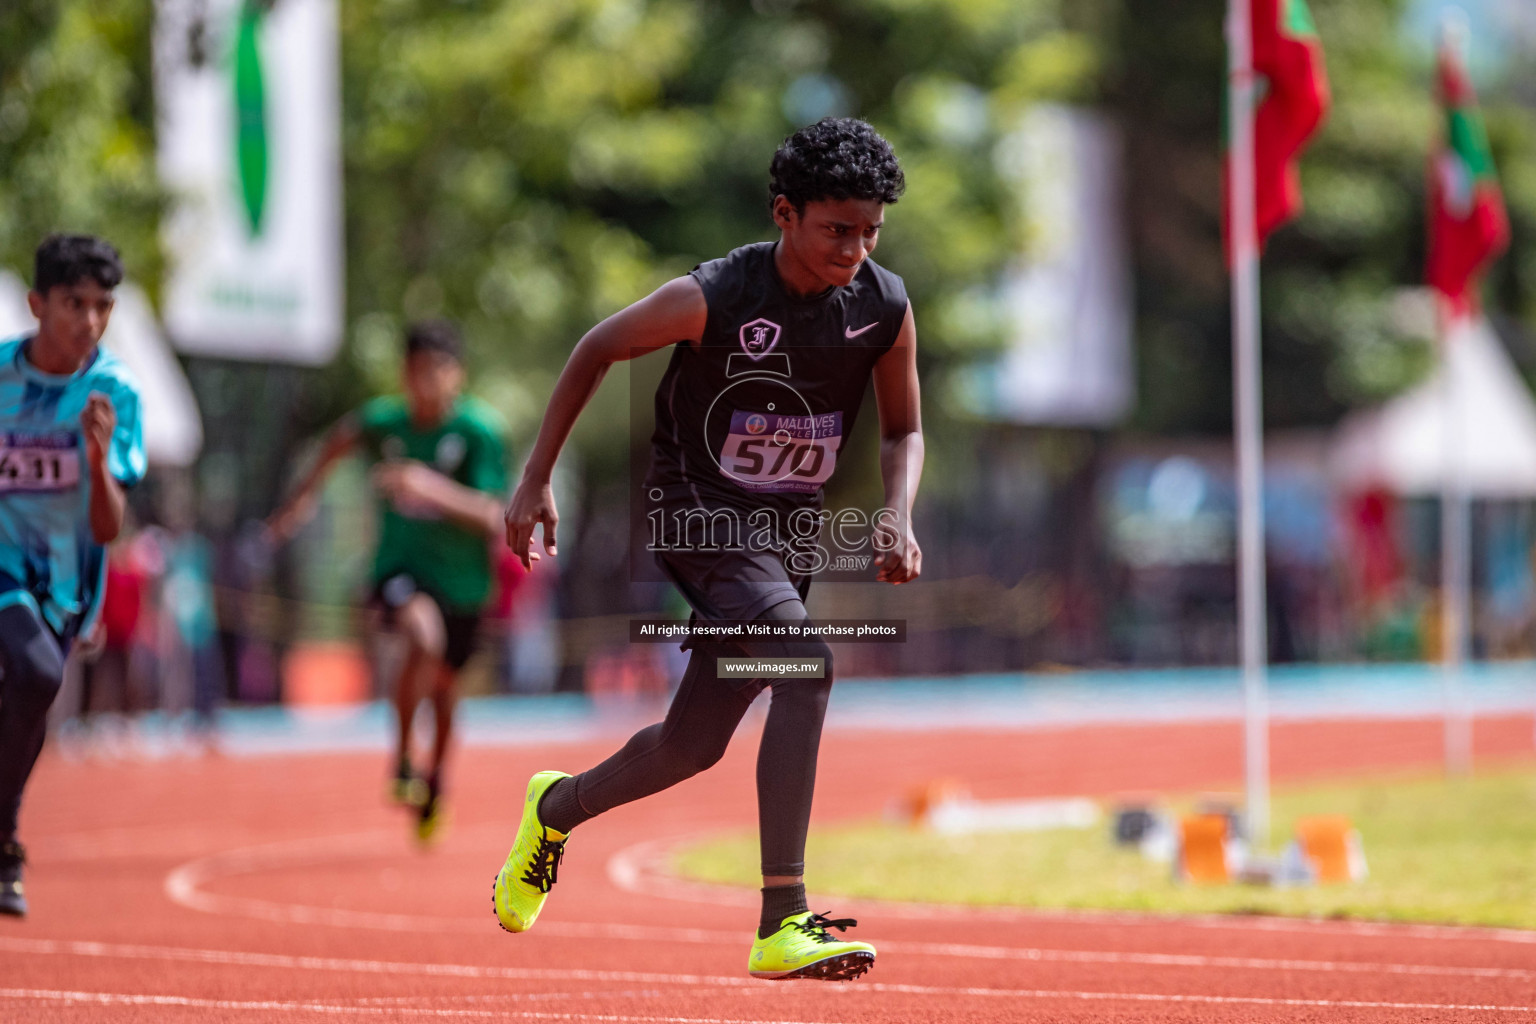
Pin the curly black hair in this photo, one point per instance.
(835, 158)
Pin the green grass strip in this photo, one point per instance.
(1445, 851)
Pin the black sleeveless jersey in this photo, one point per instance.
(756, 416)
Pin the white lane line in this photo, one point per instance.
(1071, 956)
(628, 868)
(271, 1005)
(650, 933)
(58, 947)
(524, 997)
(645, 869)
(183, 884)
(128, 999)
(98, 949)
(1173, 997)
(741, 987)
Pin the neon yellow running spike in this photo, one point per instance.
(524, 881)
(408, 792)
(802, 949)
(432, 821)
(407, 788)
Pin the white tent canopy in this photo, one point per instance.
(15, 317)
(1402, 445)
(173, 427)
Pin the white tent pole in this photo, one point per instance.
(1247, 414)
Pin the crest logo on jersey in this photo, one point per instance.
(758, 337)
(757, 423)
(450, 452)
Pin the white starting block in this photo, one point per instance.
(947, 807)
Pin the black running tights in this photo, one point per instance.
(704, 713)
(33, 669)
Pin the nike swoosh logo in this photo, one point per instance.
(849, 332)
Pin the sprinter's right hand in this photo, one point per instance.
(532, 503)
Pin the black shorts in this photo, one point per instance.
(732, 586)
(460, 629)
(12, 592)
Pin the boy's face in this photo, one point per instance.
(832, 237)
(432, 381)
(71, 318)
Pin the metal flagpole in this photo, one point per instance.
(1247, 417)
(1455, 558)
(1455, 512)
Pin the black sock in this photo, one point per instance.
(779, 902)
(559, 809)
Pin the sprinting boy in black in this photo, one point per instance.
(775, 345)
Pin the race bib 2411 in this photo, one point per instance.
(31, 461)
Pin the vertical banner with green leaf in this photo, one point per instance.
(249, 143)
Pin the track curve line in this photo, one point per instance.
(635, 866)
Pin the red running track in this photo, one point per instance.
(282, 889)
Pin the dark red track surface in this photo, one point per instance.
(283, 889)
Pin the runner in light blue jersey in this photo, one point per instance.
(71, 442)
(49, 558)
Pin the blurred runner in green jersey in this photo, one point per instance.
(439, 465)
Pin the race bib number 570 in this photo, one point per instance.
(770, 452)
(39, 461)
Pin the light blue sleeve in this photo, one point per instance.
(127, 461)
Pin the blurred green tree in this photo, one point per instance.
(530, 168)
(76, 129)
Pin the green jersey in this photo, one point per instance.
(450, 561)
